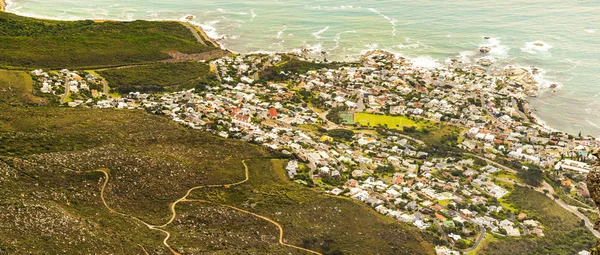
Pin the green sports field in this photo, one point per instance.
(368, 119)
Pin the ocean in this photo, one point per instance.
(560, 38)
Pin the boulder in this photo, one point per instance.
(484, 62)
(478, 70)
(485, 49)
(524, 77)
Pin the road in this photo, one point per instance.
(573, 209)
(550, 194)
(508, 169)
(67, 90)
(441, 230)
(480, 238)
(523, 115)
(487, 110)
(194, 31)
(104, 87)
(360, 105)
(200, 35)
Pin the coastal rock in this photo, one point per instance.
(485, 49)
(478, 70)
(553, 85)
(484, 62)
(486, 37)
(189, 17)
(524, 78)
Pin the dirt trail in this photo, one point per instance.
(260, 217)
(173, 205)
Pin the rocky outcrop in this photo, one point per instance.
(523, 78)
(478, 70)
(593, 185)
(485, 49)
(484, 62)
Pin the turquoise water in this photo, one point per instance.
(428, 31)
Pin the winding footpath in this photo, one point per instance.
(173, 210)
(263, 218)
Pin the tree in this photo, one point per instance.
(384, 169)
(532, 176)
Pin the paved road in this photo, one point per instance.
(360, 105)
(523, 115)
(482, 233)
(485, 107)
(441, 230)
(194, 32)
(492, 162)
(67, 90)
(104, 87)
(573, 209)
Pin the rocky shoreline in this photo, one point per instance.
(2, 5)
(519, 76)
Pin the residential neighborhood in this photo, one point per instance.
(415, 144)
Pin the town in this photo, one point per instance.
(437, 148)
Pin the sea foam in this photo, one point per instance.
(317, 34)
(536, 47)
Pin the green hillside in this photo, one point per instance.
(34, 43)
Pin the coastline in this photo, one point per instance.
(215, 41)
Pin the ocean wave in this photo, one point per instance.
(535, 47)
(408, 46)
(279, 33)
(425, 62)
(317, 34)
(331, 8)
(338, 37)
(208, 28)
(589, 30)
(390, 20)
(228, 12)
(592, 123)
(253, 14)
(498, 50)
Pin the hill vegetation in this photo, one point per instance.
(159, 77)
(562, 230)
(51, 195)
(34, 43)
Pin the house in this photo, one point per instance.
(466, 213)
(272, 113)
(449, 224)
(454, 236)
(443, 250)
(292, 168)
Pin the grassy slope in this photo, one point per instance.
(152, 162)
(155, 77)
(563, 233)
(16, 88)
(33, 43)
(316, 221)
